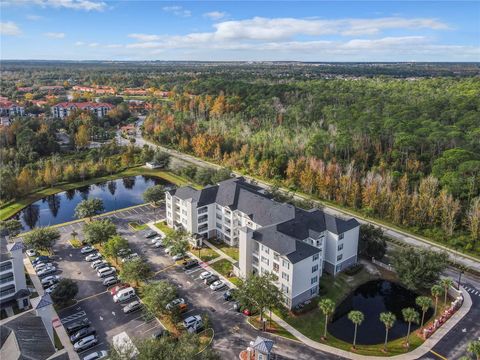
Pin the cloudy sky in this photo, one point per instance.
(231, 30)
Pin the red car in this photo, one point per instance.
(117, 288)
(247, 312)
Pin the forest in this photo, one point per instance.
(397, 141)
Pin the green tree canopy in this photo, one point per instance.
(114, 245)
(89, 208)
(154, 194)
(11, 227)
(372, 242)
(65, 292)
(42, 238)
(135, 271)
(419, 268)
(98, 232)
(156, 295)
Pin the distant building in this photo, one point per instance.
(52, 89)
(101, 90)
(62, 110)
(128, 129)
(10, 109)
(13, 284)
(25, 89)
(135, 91)
(295, 245)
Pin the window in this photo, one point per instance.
(340, 236)
(285, 289)
(315, 257)
(285, 264)
(265, 249)
(219, 226)
(275, 256)
(340, 247)
(313, 291)
(285, 276)
(219, 217)
(338, 268)
(314, 268)
(339, 257)
(276, 267)
(265, 260)
(314, 280)
(184, 212)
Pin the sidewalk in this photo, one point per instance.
(62, 334)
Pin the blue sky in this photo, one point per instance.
(240, 30)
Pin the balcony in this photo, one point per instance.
(7, 279)
(202, 228)
(202, 210)
(9, 290)
(202, 219)
(5, 267)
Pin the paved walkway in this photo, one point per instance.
(62, 334)
(218, 251)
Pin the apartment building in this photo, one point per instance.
(10, 109)
(62, 110)
(13, 284)
(295, 245)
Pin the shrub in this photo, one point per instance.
(354, 269)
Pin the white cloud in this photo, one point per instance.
(177, 10)
(9, 28)
(93, 44)
(114, 46)
(33, 17)
(55, 35)
(215, 15)
(79, 43)
(144, 37)
(86, 5)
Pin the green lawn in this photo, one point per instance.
(163, 227)
(229, 250)
(272, 326)
(223, 266)
(137, 227)
(206, 254)
(12, 207)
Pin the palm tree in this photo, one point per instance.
(388, 319)
(328, 307)
(436, 290)
(473, 347)
(446, 283)
(356, 317)
(424, 302)
(410, 315)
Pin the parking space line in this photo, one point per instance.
(73, 317)
(85, 298)
(90, 348)
(143, 332)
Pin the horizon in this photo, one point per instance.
(317, 31)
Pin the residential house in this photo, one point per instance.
(295, 245)
(10, 109)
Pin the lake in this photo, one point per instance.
(372, 298)
(60, 208)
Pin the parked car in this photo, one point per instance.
(47, 271)
(217, 285)
(50, 280)
(50, 289)
(96, 263)
(236, 306)
(130, 257)
(93, 257)
(41, 266)
(174, 303)
(76, 326)
(189, 321)
(133, 306)
(158, 244)
(124, 295)
(106, 271)
(190, 264)
(196, 327)
(111, 280)
(168, 249)
(228, 295)
(205, 275)
(87, 249)
(124, 252)
(31, 252)
(160, 333)
(154, 240)
(247, 312)
(119, 287)
(211, 279)
(85, 343)
(151, 234)
(97, 355)
(178, 257)
(80, 334)
(41, 259)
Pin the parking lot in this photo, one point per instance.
(232, 332)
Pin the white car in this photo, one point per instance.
(87, 249)
(93, 257)
(106, 273)
(178, 257)
(47, 271)
(158, 244)
(155, 239)
(50, 278)
(41, 266)
(51, 288)
(191, 320)
(168, 249)
(97, 355)
(31, 252)
(85, 343)
(130, 257)
(94, 264)
(217, 285)
(205, 275)
(111, 280)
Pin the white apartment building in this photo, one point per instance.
(10, 109)
(62, 110)
(13, 285)
(294, 244)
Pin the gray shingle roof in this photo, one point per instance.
(30, 335)
(263, 345)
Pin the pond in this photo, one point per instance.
(60, 208)
(373, 298)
